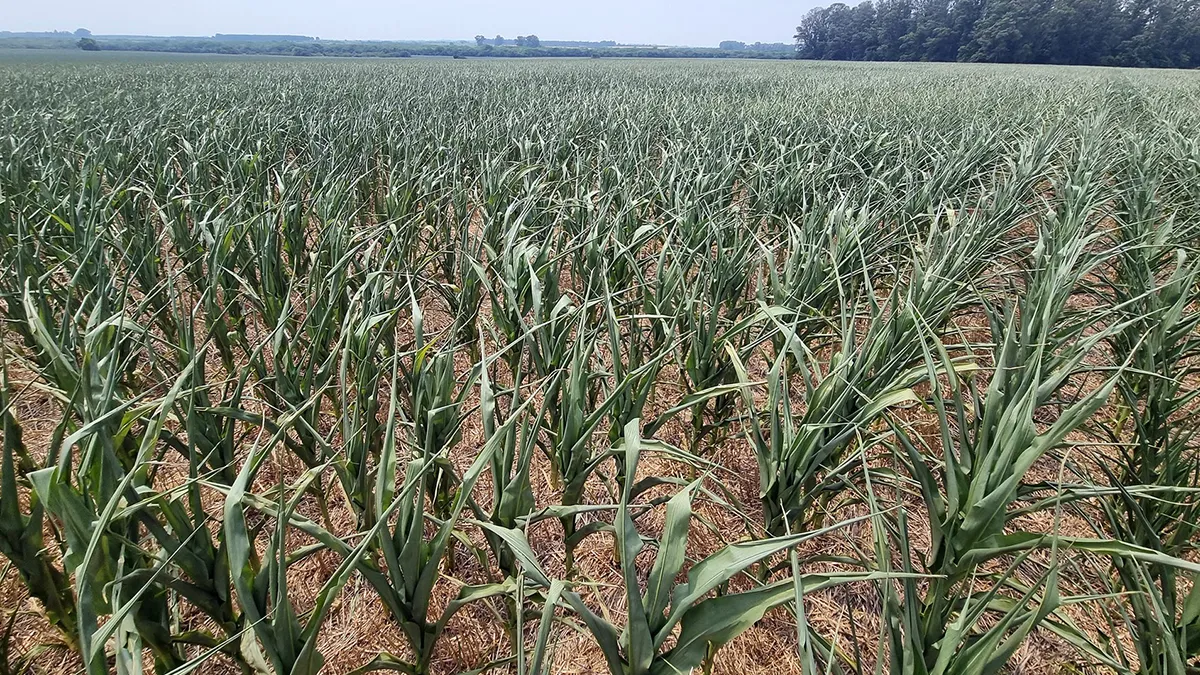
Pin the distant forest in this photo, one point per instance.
(1137, 33)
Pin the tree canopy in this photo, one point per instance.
(1140, 33)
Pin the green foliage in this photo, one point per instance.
(1155, 34)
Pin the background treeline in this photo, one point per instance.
(353, 48)
(1138, 33)
(757, 46)
(405, 49)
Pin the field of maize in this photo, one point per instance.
(643, 368)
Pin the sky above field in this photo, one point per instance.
(674, 22)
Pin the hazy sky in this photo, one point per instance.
(677, 22)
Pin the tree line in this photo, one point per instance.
(352, 48)
(1136, 33)
(736, 45)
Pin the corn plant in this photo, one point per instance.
(705, 623)
(93, 496)
(414, 561)
(989, 442)
(871, 370)
(1154, 504)
(22, 534)
(514, 432)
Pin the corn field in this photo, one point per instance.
(641, 368)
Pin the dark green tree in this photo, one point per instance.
(812, 35)
(1084, 31)
(1165, 34)
(1151, 33)
(931, 38)
(893, 21)
(864, 35)
(1011, 31)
